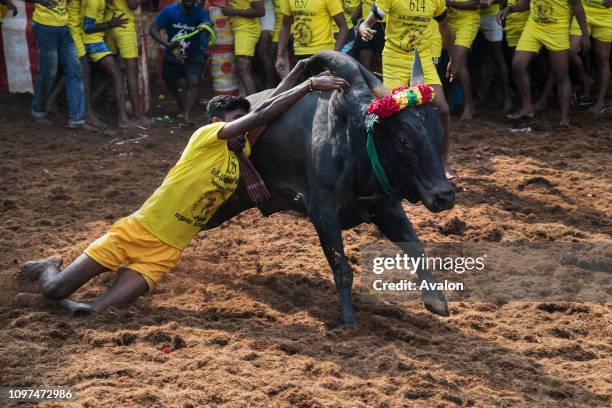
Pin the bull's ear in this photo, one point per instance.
(417, 76)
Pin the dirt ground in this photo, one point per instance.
(250, 314)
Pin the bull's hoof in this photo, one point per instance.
(435, 302)
(348, 314)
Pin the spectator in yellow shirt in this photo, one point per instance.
(599, 23)
(243, 16)
(409, 29)
(124, 41)
(94, 26)
(548, 26)
(310, 22)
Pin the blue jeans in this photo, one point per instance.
(55, 45)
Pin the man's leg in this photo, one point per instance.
(110, 66)
(461, 54)
(559, 61)
(170, 74)
(75, 91)
(131, 65)
(193, 91)
(576, 60)
(48, 43)
(265, 56)
(52, 104)
(602, 52)
(520, 63)
(443, 112)
(500, 62)
(58, 285)
(245, 72)
(365, 57)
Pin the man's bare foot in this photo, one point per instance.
(450, 173)
(76, 309)
(565, 122)
(94, 121)
(31, 270)
(597, 109)
(523, 113)
(586, 92)
(507, 107)
(142, 120)
(126, 124)
(83, 126)
(43, 121)
(468, 114)
(540, 105)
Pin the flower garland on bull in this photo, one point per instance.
(384, 107)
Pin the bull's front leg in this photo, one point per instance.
(328, 228)
(394, 224)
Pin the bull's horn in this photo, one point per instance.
(376, 86)
(416, 76)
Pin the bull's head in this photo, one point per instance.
(407, 144)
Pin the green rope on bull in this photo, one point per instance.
(379, 171)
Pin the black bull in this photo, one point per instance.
(314, 161)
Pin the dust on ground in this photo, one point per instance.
(250, 315)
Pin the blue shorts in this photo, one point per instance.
(172, 71)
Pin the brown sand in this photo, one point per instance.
(251, 313)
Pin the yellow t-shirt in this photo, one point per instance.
(349, 7)
(240, 23)
(515, 21)
(94, 10)
(409, 24)
(119, 7)
(366, 8)
(206, 174)
(75, 18)
(278, 21)
(596, 9)
(56, 16)
(550, 12)
(493, 9)
(312, 27)
(456, 14)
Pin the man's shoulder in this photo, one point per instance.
(206, 136)
(171, 9)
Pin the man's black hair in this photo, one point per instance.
(220, 105)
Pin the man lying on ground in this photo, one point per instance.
(151, 240)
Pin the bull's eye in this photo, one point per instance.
(403, 141)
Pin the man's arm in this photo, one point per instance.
(522, 5)
(275, 106)
(449, 44)
(283, 40)
(155, 34)
(257, 10)
(45, 3)
(90, 26)
(342, 30)
(581, 18)
(365, 28)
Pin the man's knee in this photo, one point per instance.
(561, 76)
(244, 64)
(519, 66)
